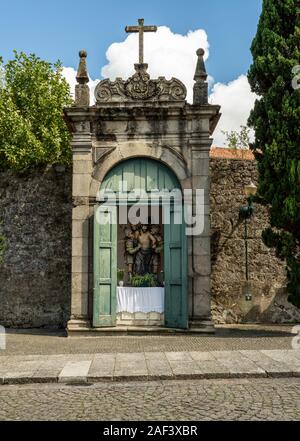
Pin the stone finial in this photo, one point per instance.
(82, 90)
(201, 85)
(82, 73)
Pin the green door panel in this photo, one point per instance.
(175, 257)
(140, 174)
(105, 266)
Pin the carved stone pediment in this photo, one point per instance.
(140, 87)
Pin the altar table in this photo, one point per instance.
(145, 300)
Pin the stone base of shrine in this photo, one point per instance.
(139, 319)
(202, 326)
(83, 328)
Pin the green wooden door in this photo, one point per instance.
(175, 261)
(105, 266)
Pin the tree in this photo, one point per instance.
(33, 94)
(276, 121)
(238, 140)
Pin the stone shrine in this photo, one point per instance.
(141, 134)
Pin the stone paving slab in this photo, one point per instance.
(158, 366)
(130, 366)
(271, 366)
(102, 367)
(50, 368)
(75, 371)
(83, 368)
(238, 364)
(287, 357)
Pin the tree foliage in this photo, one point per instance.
(276, 121)
(238, 139)
(33, 94)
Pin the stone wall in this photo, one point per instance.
(35, 282)
(36, 222)
(267, 273)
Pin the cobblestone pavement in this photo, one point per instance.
(39, 342)
(158, 401)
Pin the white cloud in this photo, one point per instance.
(69, 73)
(236, 101)
(168, 54)
(174, 55)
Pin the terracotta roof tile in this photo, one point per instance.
(227, 153)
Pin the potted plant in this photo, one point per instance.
(146, 281)
(120, 275)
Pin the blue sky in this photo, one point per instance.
(58, 29)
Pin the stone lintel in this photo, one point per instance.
(154, 139)
(130, 105)
(142, 109)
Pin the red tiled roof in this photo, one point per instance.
(227, 153)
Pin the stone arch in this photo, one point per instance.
(167, 156)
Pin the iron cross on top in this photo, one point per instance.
(141, 29)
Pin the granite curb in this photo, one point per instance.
(104, 368)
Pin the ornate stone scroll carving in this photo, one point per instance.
(173, 89)
(107, 90)
(140, 87)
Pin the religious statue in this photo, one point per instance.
(143, 246)
(143, 258)
(158, 248)
(131, 247)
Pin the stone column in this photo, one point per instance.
(82, 170)
(201, 253)
(200, 144)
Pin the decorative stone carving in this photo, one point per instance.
(201, 85)
(82, 94)
(171, 90)
(100, 154)
(83, 126)
(107, 91)
(140, 87)
(82, 91)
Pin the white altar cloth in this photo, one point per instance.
(145, 300)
